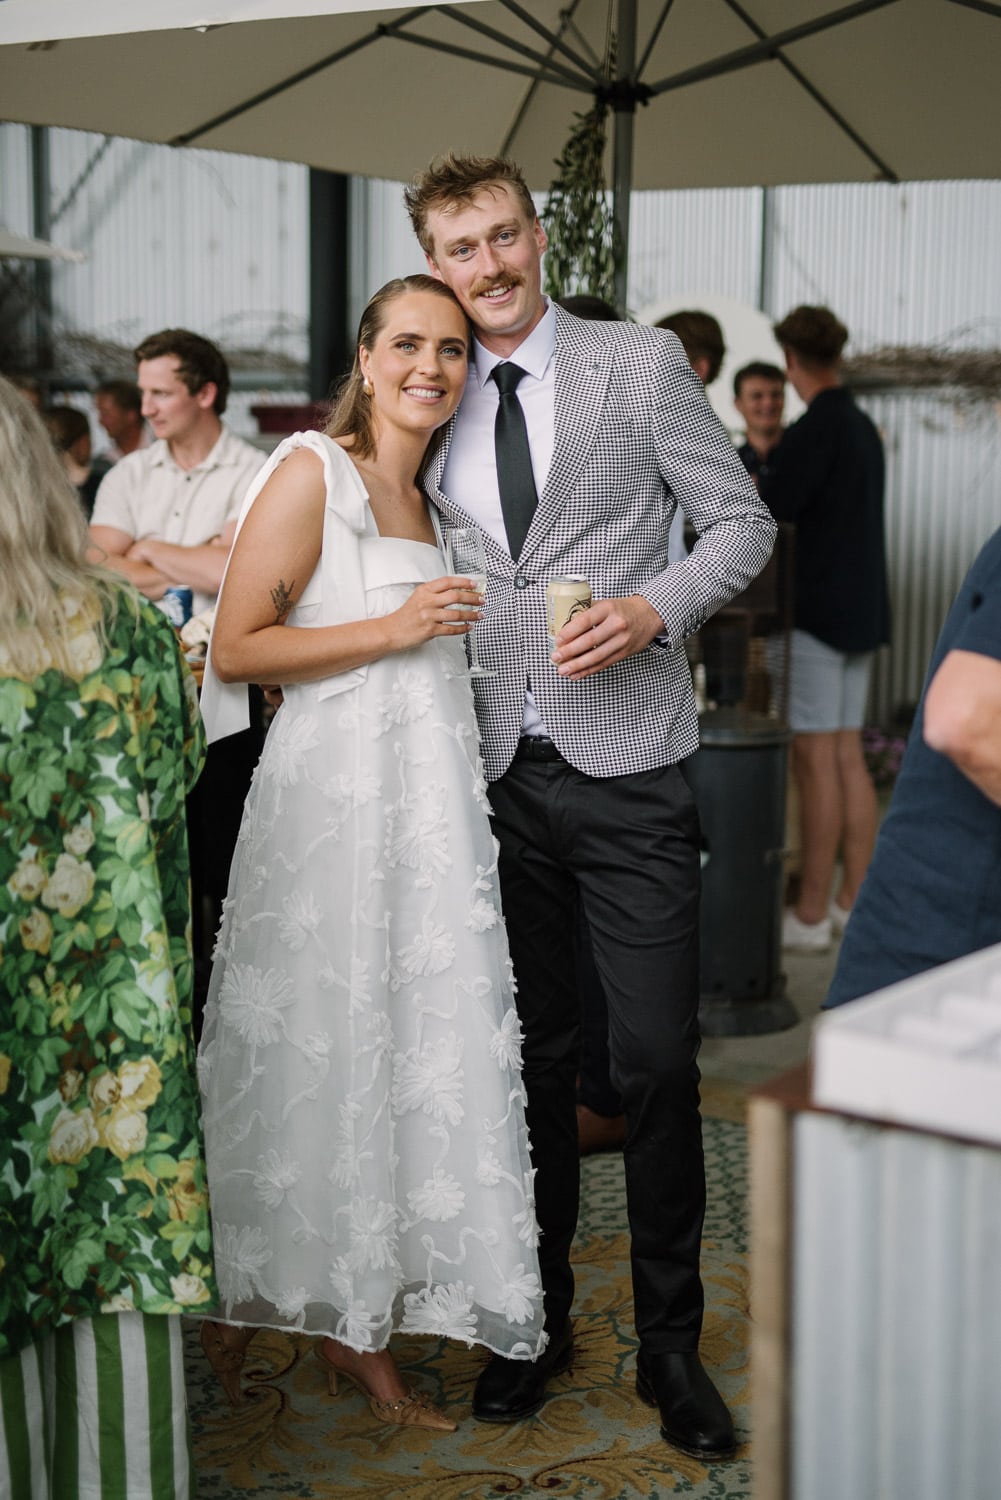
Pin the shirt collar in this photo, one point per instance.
(533, 354)
(218, 454)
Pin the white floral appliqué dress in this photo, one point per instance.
(360, 1066)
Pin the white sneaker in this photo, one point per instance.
(805, 937)
(839, 917)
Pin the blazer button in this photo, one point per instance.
(520, 581)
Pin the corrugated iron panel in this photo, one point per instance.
(896, 1314)
(708, 240)
(15, 179)
(902, 264)
(197, 239)
(383, 243)
(943, 501)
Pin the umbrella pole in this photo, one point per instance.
(622, 148)
(41, 228)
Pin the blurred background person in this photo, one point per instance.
(827, 476)
(69, 430)
(759, 396)
(164, 516)
(702, 339)
(931, 892)
(119, 410)
(595, 309)
(101, 1160)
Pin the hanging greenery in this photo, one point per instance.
(584, 241)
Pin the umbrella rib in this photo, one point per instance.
(884, 169)
(563, 78)
(658, 27)
(988, 7)
(765, 50)
(566, 20)
(553, 38)
(186, 138)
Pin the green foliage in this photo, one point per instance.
(584, 243)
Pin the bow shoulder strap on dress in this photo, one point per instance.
(224, 705)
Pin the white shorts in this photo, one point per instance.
(828, 689)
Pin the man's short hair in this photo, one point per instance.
(701, 337)
(198, 361)
(814, 334)
(453, 181)
(594, 309)
(758, 369)
(125, 393)
(66, 426)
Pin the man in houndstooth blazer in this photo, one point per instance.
(582, 747)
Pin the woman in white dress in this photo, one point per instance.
(360, 1063)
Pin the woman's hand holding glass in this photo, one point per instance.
(468, 557)
(433, 609)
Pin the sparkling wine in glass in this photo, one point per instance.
(468, 560)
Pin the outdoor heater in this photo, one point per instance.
(740, 666)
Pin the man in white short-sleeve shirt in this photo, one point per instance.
(167, 514)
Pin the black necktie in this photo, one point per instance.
(515, 479)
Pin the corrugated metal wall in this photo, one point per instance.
(896, 1314)
(196, 239)
(695, 241)
(910, 264)
(219, 243)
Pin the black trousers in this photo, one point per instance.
(594, 1086)
(628, 849)
(214, 813)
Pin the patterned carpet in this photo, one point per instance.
(593, 1440)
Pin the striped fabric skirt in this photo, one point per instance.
(97, 1411)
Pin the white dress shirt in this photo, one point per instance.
(470, 475)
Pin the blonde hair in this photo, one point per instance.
(452, 181)
(352, 411)
(43, 549)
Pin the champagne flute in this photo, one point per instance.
(468, 560)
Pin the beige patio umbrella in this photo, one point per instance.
(726, 93)
(706, 93)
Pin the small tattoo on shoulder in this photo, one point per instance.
(281, 598)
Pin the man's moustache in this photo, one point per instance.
(506, 282)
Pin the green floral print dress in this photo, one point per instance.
(103, 1204)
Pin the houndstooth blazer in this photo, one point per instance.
(635, 437)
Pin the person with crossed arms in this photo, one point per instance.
(574, 444)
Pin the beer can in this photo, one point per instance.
(565, 597)
(177, 604)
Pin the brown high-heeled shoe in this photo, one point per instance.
(411, 1410)
(226, 1356)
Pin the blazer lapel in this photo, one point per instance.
(430, 475)
(582, 370)
(583, 366)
